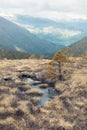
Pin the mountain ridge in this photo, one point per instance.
(80, 47)
(9, 54)
(14, 37)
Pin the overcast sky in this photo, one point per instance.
(54, 9)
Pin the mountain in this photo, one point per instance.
(60, 32)
(14, 37)
(5, 53)
(79, 47)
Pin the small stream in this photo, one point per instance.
(48, 93)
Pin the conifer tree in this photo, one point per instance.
(59, 58)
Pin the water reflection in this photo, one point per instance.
(48, 94)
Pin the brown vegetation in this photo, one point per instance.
(18, 110)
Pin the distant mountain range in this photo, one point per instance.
(80, 47)
(22, 33)
(14, 37)
(59, 32)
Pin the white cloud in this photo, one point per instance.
(64, 33)
(69, 33)
(61, 16)
(58, 9)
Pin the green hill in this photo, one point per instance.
(14, 37)
(79, 47)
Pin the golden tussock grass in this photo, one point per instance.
(43, 85)
(34, 91)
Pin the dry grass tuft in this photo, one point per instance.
(34, 92)
(43, 85)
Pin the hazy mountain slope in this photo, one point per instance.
(79, 47)
(59, 32)
(5, 53)
(17, 38)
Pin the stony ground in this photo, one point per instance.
(18, 111)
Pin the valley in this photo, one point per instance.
(43, 65)
(43, 74)
(62, 33)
